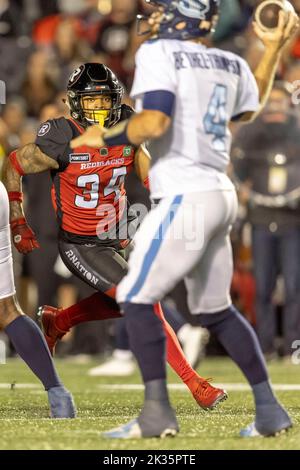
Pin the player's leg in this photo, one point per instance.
(22, 331)
(167, 246)
(214, 275)
(207, 396)
(103, 268)
(290, 255)
(265, 247)
(100, 267)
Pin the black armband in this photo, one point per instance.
(117, 135)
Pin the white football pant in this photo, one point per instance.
(184, 237)
(7, 286)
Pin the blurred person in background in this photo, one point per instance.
(39, 87)
(69, 49)
(13, 118)
(114, 38)
(10, 18)
(266, 161)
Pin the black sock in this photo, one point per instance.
(31, 346)
(147, 340)
(239, 340)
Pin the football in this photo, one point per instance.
(267, 13)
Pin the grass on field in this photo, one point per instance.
(25, 425)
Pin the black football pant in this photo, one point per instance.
(101, 267)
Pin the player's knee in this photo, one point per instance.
(8, 312)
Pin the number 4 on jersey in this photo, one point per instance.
(215, 118)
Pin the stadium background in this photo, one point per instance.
(41, 42)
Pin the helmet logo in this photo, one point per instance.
(76, 74)
(194, 8)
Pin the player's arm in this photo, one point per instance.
(142, 163)
(150, 124)
(147, 125)
(24, 161)
(274, 42)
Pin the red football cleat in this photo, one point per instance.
(207, 396)
(47, 316)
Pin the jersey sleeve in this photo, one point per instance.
(247, 93)
(155, 70)
(53, 138)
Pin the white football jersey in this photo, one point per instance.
(211, 86)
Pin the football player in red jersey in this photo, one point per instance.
(91, 208)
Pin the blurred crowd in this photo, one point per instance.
(41, 43)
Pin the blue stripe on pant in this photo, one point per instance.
(154, 247)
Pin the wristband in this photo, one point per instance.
(15, 196)
(15, 223)
(15, 163)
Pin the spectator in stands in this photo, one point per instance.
(10, 18)
(13, 118)
(69, 49)
(114, 38)
(266, 161)
(39, 87)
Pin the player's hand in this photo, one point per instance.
(277, 38)
(23, 236)
(155, 20)
(92, 137)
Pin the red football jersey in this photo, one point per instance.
(88, 191)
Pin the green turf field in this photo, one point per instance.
(25, 425)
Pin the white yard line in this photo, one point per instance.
(232, 387)
(13, 386)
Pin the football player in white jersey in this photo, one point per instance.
(24, 334)
(186, 96)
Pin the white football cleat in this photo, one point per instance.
(132, 430)
(193, 340)
(121, 364)
(251, 431)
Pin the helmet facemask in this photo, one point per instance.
(102, 116)
(94, 80)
